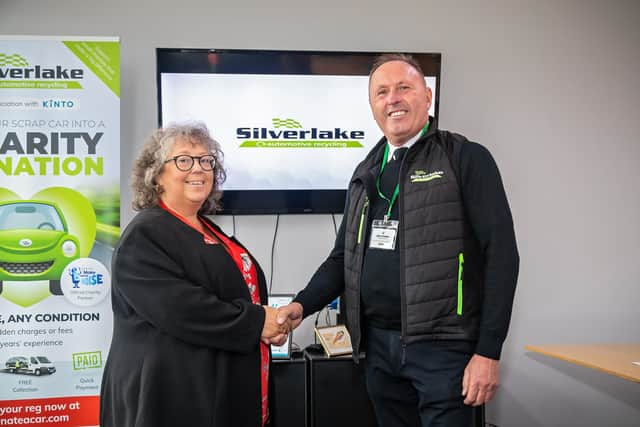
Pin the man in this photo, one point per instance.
(425, 258)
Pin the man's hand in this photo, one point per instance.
(480, 380)
(291, 313)
(274, 332)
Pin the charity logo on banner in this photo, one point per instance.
(59, 222)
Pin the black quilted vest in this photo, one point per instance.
(440, 262)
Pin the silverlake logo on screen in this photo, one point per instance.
(294, 135)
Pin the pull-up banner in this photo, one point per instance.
(59, 221)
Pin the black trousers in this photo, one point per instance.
(417, 384)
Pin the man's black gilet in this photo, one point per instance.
(440, 263)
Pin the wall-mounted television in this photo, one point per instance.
(292, 124)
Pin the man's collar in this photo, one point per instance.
(407, 144)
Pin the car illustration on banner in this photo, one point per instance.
(34, 242)
(36, 365)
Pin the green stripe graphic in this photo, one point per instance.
(426, 179)
(286, 123)
(269, 143)
(13, 60)
(103, 58)
(39, 84)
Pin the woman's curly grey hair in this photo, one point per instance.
(151, 160)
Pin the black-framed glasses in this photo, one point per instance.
(185, 162)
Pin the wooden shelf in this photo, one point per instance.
(614, 359)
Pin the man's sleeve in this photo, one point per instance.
(488, 212)
(328, 281)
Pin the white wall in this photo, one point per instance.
(549, 86)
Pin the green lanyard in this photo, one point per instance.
(394, 197)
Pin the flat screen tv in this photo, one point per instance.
(292, 124)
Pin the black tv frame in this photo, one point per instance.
(291, 62)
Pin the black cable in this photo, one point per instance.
(315, 326)
(335, 227)
(273, 246)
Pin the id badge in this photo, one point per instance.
(383, 234)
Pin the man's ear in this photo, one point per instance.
(429, 97)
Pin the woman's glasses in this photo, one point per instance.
(185, 162)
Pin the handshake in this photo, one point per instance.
(278, 322)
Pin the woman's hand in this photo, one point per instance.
(272, 331)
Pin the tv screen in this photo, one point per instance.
(292, 125)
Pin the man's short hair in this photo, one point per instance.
(388, 57)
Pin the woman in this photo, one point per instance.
(188, 301)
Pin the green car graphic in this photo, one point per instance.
(34, 242)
